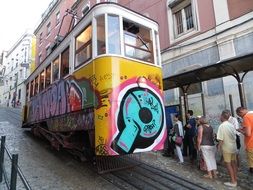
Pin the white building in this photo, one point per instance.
(16, 67)
(2, 71)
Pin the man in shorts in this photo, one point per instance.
(247, 131)
(236, 125)
(227, 143)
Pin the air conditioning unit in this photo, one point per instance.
(58, 39)
(53, 46)
(86, 8)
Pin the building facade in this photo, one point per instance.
(15, 69)
(2, 71)
(193, 34)
(210, 32)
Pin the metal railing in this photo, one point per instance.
(15, 170)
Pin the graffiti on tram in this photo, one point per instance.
(63, 97)
(139, 122)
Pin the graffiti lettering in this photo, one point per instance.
(83, 120)
(148, 128)
(62, 97)
(150, 102)
(106, 77)
(100, 117)
(93, 80)
(101, 149)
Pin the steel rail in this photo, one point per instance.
(145, 176)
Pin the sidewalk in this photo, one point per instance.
(191, 171)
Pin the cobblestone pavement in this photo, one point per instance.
(47, 169)
(190, 171)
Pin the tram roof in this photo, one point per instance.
(231, 66)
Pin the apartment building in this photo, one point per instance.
(204, 33)
(2, 71)
(15, 69)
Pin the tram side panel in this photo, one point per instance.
(67, 105)
(131, 117)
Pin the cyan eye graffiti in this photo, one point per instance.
(140, 120)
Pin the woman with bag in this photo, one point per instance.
(200, 158)
(178, 137)
(207, 147)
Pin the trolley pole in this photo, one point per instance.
(231, 105)
(203, 104)
(2, 157)
(242, 94)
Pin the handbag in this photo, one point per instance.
(201, 162)
(178, 140)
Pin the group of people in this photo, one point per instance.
(198, 137)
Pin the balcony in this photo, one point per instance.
(24, 64)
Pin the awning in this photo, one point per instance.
(232, 66)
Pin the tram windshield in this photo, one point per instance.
(137, 41)
(128, 38)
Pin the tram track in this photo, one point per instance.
(145, 176)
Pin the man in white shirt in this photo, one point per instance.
(227, 143)
(236, 125)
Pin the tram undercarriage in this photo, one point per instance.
(78, 143)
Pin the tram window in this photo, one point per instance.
(36, 86)
(101, 49)
(113, 34)
(42, 80)
(83, 47)
(48, 76)
(56, 69)
(138, 42)
(65, 63)
(31, 89)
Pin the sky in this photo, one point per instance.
(18, 16)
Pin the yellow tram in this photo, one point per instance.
(100, 91)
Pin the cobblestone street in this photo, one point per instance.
(44, 167)
(190, 171)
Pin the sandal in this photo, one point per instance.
(207, 176)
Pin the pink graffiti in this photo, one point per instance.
(55, 101)
(123, 144)
(127, 103)
(150, 134)
(160, 146)
(114, 99)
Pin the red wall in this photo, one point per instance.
(206, 15)
(41, 48)
(238, 8)
(157, 10)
